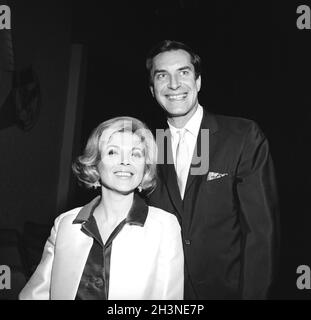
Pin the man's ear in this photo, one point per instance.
(198, 83)
(152, 90)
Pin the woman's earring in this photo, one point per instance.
(140, 189)
(96, 184)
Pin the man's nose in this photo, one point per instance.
(174, 82)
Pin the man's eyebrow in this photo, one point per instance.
(184, 68)
(158, 71)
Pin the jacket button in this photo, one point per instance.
(187, 242)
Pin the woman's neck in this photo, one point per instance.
(113, 206)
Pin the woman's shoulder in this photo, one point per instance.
(79, 214)
(161, 216)
(68, 216)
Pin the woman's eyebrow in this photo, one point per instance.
(138, 148)
(112, 145)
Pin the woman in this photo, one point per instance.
(115, 247)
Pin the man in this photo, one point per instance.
(229, 213)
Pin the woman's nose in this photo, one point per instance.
(125, 158)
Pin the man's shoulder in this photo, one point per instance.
(234, 125)
(234, 122)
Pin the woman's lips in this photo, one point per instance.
(125, 174)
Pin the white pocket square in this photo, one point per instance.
(215, 175)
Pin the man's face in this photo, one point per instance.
(174, 84)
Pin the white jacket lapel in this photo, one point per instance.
(72, 250)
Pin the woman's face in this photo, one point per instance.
(122, 162)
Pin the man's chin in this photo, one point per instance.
(178, 113)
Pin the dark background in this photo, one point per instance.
(256, 65)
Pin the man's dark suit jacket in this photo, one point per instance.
(229, 224)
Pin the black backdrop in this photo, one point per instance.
(256, 64)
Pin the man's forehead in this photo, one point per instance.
(174, 58)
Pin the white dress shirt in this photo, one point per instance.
(192, 128)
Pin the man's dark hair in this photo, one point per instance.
(170, 45)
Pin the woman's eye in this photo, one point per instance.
(137, 154)
(111, 152)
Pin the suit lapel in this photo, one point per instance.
(172, 186)
(208, 122)
(169, 175)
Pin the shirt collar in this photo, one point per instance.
(193, 125)
(136, 216)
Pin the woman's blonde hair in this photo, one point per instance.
(85, 166)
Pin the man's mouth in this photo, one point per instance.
(176, 97)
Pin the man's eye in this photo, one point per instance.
(161, 76)
(184, 72)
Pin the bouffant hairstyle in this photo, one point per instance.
(85, 166)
